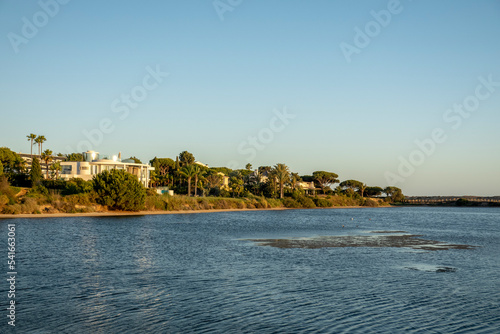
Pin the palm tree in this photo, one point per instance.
(42, 139)
(31, 137)
(197, 176)
(39, 140)
(264, 170)
(56, 168)
(272, 180)
(19, 164)
(153, 179)
(47, 157)
(236, 184)
(294, 180)
(263, 174)
(213, 181)
(282, 175)
(362, 189)
(188, 171)
(257, 176)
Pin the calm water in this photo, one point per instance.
(196, 273)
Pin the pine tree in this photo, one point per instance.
(119, 190)
(36, 172)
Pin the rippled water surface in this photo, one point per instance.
(197, 273)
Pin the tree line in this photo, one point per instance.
(120, 190)
(185, 176)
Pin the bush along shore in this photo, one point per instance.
(41, 200)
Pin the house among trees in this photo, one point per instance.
(308, 187)
(53, 160)
(92, 165)
(224, 181)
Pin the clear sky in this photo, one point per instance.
(360, 81)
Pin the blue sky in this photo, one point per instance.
(228, 78)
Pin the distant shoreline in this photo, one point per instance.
(147, 213)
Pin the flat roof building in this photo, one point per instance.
(93, 165)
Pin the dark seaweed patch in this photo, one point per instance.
(407, 240)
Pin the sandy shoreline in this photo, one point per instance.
(144, 213)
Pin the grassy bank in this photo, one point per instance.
(181, 203)
(15, 200)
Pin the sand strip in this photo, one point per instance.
(144, 213)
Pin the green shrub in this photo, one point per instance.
(7, 192)
(66, 207)
(322, 202)
(119, 190)
(370, 203)
(20, 180)
(221, 203)
(204, 204)
(29, 205)
(177, 203)
(54, 184)
(4, 200)
(151, 192)
(80, 199)
(261, 203)
(77, 186)
(290, 203)
(38, 191)
(344, 200)
(274, 203)
(224, 193)
(305, 202)
(172, 203)
(13, 209)
(155, 202)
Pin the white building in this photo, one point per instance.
(27, 159)
(201, 164)
(308, 187)
(225, 181)
(92, 165)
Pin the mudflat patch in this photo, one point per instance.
(431, 268)
(379, 240)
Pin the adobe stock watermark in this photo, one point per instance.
(11, 274)
(121, 106)
(453, 117)
(223, 6)
(258, 142)
(30, 27)
(363, 37)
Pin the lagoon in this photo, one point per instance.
(212, 272)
